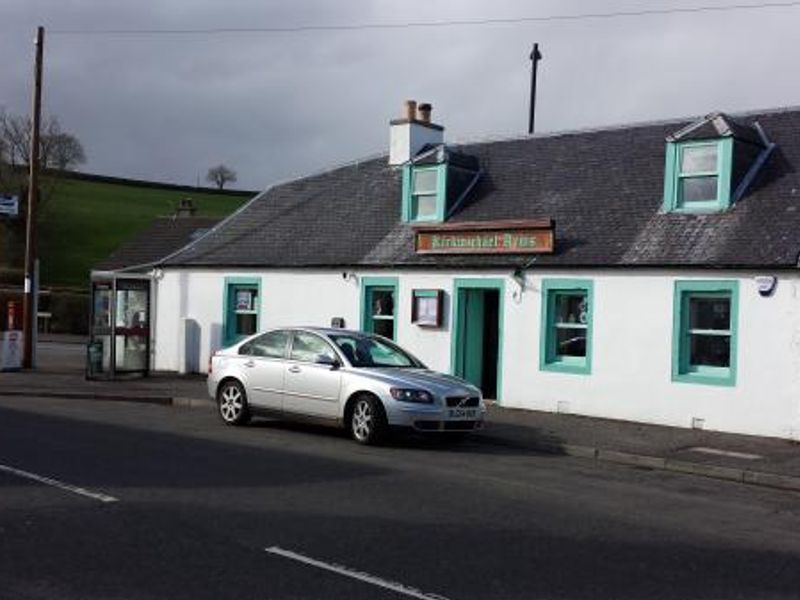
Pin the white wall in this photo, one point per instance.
(632, 340)
(632, 357)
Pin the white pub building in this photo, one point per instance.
(646, 272)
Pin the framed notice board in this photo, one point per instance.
(426, 307)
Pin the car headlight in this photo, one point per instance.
(406, 395)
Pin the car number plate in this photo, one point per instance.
(463, 413)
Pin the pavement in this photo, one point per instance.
(752, 460)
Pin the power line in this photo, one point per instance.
(424, 24)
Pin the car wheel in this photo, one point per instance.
(367, 420)
(232, 403)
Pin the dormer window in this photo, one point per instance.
(711, 163)
(698, 176)
(426, 194)
(436, 183)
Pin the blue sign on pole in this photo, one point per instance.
(9, 205)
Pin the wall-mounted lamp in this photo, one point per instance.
(349, 276)
(766, 284)
(518, 276)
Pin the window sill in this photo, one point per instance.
(700, 208)
(725, 378)
(572, 367)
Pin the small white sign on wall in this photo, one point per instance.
(11, 351)
(244, 299)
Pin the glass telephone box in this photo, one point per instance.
(120, 328)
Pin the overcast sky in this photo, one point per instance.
(276, 106)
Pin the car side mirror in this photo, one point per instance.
(324, 359)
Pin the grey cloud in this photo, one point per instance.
(275, 106)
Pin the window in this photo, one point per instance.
(704, 332)
(698, 176)
(241, 308)
(423, 193)
(307, 347)
(378, 306)
(566, 335)
(363, 351)
(381, 309)
(269, 345)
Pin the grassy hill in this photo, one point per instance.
(87, 218)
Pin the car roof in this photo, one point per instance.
(323, 330)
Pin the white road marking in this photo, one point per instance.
(58, 484)
(718, 452)
(347, 572)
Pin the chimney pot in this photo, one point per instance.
(425, 112)
(413, 132)
(411, 110)
(185, 208)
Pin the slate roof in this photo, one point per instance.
(164, 236)
(603, 188)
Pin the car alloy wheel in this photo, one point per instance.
(233, 403)
(367, 421)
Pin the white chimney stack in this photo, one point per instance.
(413, 132)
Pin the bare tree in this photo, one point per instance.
(16, 134)
(58, 149)
(64, 151)
(4, 158)
(220, 175)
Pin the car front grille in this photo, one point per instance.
(462, 401)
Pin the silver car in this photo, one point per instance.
(363, 382)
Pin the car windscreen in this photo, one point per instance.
(367, 351)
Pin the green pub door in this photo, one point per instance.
(477, 333)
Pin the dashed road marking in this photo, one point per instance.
(353, 574)
(58, 484)
(729, 453)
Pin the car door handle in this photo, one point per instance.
(294, 369)
(250, 363)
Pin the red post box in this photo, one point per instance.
(14, 315)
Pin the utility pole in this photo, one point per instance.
(535, 57)
(28, 303)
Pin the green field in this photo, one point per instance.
(84, 221)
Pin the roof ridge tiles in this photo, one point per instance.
(490, 138)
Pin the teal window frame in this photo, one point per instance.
(228, 314)
(682, 371)
(372, 284)
(548, 359)
(409, 198)
(672, 176)
(456, 341)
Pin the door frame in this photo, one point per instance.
(456, 345)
